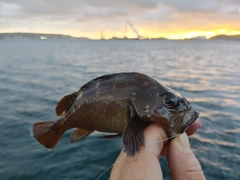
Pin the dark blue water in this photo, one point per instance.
(35, 75)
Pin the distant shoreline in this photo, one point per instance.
(43, 36)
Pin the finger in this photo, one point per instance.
(182, 162)
(155, 139)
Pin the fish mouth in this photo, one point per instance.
(194, 116)
(185, 121)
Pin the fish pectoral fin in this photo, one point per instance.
(133, 137)
(79, 134)
(65, 103)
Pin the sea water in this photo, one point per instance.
(36, 74)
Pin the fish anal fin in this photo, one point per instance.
(133, 136)
(79, 134)
(65, 103)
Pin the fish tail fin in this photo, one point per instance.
(46, 133)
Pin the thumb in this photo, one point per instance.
(182, 162)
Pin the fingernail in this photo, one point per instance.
(184, 142)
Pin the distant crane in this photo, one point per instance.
(134, 30)
(102, 36)
(125, 32)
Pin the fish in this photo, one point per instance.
(121, 103)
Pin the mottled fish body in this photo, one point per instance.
(123, 103)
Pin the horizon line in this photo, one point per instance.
(202, 37)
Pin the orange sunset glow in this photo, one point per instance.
(106, 19)
(155, 34)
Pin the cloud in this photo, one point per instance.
(85, 11)
(31, 8)
(192, 5)
(111, 15)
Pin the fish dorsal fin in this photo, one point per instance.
(65, 103)
(78, 134)
(133, 137)
(98, 79)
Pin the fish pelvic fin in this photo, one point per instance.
(79, 134)
(65, 103)
(45, 133)
(112, 136)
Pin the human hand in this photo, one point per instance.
(145, 164)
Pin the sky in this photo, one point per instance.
(174, 19)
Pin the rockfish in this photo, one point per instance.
(123, 103)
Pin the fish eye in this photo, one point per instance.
(169, 100)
